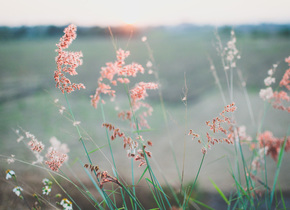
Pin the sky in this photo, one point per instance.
(143, 12)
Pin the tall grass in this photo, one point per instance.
(109, 186)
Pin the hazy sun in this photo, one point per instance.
(130, 11)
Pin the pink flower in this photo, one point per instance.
(67, 62)
(55, 159)
(139, 92)
(34, 144)
(56, 154)
(286, 80)
(273, 144)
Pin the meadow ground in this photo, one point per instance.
(27, 93)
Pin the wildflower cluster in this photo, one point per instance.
(131, 144)
(34, 144)
(272, 144)
(105, 178)
(56, 154)
(47, 186)
(67, 62)
(230, 53)
(119, 72)
(216, 126)
(276, 98)
(17, 190)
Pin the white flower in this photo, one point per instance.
(266, 94)
(269, 80)
(20, 139)
(61, 110)
(45, 181)
(270, 72)
(66, 204)
(46, 190)
(149, 64)
(17, 190)
(9, 174)
(75, 123)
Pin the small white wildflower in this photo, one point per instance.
(270, 72)
(17, 190)
(9, 174)
(20, 139)
(269, 80)
(56, 100)
(11, 159)
(66, 204)
(150, 72)
(17, 131)
(266, 94)
(45, 181)
(149, 64)
(61, 110)
(46, 190)
(144, 39)
(75, 123)
(117, 108)
(275, 66)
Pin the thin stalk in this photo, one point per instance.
(192, 187)
(111, 152)
(185, 91)
(88, 156)
(133, 181)
(137, 129)
(280, 158)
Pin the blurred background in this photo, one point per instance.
(182, 39)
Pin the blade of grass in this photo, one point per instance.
(280, 158)
(219, 191)
(97, 149)
(282, 198)
(142, 174)
(202, 204)
(192, 187)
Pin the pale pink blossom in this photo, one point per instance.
(266, 94)
(269, 80)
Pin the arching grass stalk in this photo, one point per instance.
(108, 200)
(89, 195)
(63, 190)
(192, 187)
(152, 176)
(111, 152)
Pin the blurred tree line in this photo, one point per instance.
(34, 32)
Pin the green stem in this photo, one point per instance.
(192, 187)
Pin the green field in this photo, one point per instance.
(27, 91)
